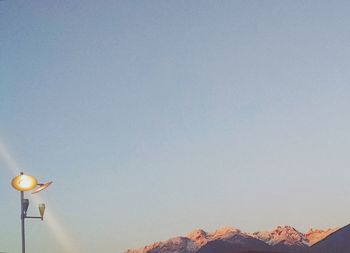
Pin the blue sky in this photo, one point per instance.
(154, 118)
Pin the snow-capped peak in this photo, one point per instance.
(198, 236)
(285, 235)
(225, 232)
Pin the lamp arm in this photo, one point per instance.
(33, 217)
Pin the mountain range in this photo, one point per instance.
(284, 239)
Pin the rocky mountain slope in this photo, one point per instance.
(337, 242)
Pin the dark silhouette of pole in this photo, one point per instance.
(22, 223)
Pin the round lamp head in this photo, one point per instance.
(24, 182)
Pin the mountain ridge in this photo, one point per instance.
(229, 239)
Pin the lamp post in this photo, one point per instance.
(23, 183)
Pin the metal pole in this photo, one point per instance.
(22, 223)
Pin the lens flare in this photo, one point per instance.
(67, 242)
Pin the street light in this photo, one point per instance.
(22, 183)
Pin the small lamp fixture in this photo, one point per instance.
(41, 210)
(25, 205)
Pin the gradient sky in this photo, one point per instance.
(154, 118)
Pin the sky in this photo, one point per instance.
(154, 118)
